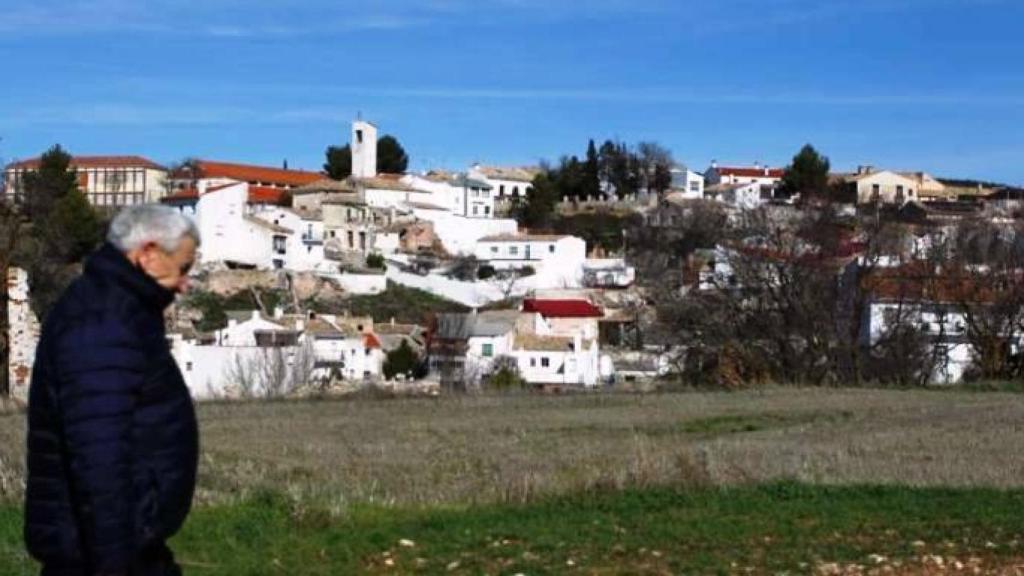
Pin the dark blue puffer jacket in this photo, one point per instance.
(112, 439)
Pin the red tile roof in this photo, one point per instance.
(96, 162)
(249, 173)
(371, 341)
(185, 194)
(265, 195)
(562, 308)
(751, 172)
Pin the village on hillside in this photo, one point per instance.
(733, 275)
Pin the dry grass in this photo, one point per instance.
(514, 448)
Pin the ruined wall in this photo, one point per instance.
(23, 336)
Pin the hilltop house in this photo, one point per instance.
(107, 181)
(870, 186)
(558, 260)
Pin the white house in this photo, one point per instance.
(746, 196)
(687, 183)
(507, 183)
(297, 348)
(567, 316)
(557, 360)
(756, 174)
(106, 181)
(870, 186)
(943, 324)
(557, 259)
(471, 346)
(230, 234)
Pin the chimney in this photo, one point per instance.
(255, 314)
(278, 312)
(714, 163)
(284, 165)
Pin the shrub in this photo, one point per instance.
(485, 271)
(375, 261)
(402, 360)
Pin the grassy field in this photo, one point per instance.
(771, 480)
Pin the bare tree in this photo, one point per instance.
(273, 371)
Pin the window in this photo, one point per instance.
(551, 248)
(533, 362)
(279, 244)
(367, 351)
(188, 366)
(899, 193)
(544, 362)
(501, 190)
(487, 350)
(694, 186)
(474, 210)
(876, 191)
(351, 239)
(487, 210)
(513, 250)
(494, 249)
(359, 136)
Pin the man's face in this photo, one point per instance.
(169, 269)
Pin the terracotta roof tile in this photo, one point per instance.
(562, 308)
(97, 162)
(750, 172)
(250, 173)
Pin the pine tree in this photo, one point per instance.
(807, 175)
(591, 172)
(391, 157)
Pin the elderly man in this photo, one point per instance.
(112, 439)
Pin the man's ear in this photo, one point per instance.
(146, 252)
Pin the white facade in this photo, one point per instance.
(558, 260)
(943, 325)
(304, 246)
(687, 184)
(884, 187)
(512, 183)
(364, 149)
(743, 196)
(230, 234)
(556, 360)
(258, 347)
(756, 174)
(461, 235)
(608, 273)
(106, 181)
(262, 237)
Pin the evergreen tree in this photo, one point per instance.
(391, 157)
(591, 172)
(64, 228)
(807, 175)
(401, 360)
(53, 180)
(541, 199)
(339, 162)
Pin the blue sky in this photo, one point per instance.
(936, 85)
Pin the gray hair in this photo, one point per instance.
(134, 226)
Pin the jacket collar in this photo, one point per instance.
(109, 264)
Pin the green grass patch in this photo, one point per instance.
(404, 304)
(768, 528)
(738, 423)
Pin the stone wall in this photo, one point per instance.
(23, 334)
